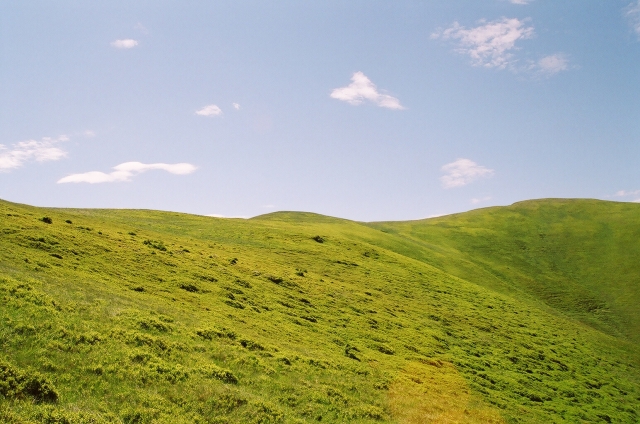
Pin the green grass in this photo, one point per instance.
(521, 314)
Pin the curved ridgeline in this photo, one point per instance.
(521, 314)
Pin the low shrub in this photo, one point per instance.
(90, 337)
(192, 288)
(210, 333)
(266, 413)
(371, 412)
(156, 244)
(227, 402)
(386, 349)
(154, 324)
(213, 371)
(234, 304)
(251, 345)
(350, 352)
(17, 384)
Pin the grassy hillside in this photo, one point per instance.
(143, 316)
(577, 256)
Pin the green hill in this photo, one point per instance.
(577, 256)
(521, 314)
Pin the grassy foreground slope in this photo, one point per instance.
(142, 316)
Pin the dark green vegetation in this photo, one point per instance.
(521, 314)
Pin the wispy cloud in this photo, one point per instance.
(124, 44)
(362, 89)
(31, 150)
(236, 106)
(491, 44)
(210, 110)
(126, 171)
(553, 64)
(141, 28)
(463, 172)
(632, 12)
(623, 193)
(523, 2)
(628, 194)
(477, 200)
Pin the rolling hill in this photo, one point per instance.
(518, 314)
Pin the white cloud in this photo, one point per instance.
(236, 106)
(125, 171)
(632, 12)
(124, 44)
(490, 44)
(141, 28)
(553, 64)
(31, 150)
(627, 193)
(210, 110)
(362, 89)
(520, 1)
(89, 133)
(462, 172)
(477, 200)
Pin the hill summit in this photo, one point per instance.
(519, 314)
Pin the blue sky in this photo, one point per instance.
(364, 110)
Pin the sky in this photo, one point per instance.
(365, 110)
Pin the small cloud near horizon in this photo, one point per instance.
(362, 89)
(22, 152)
(628, 193)
(622, 193)
(126, 171)
(522, 2)
(209, 110)
(124, 44)
(462, 172)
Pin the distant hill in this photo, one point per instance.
(518, 314)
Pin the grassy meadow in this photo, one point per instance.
(520, 314)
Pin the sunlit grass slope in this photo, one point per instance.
(142, 316)
(581, 257)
